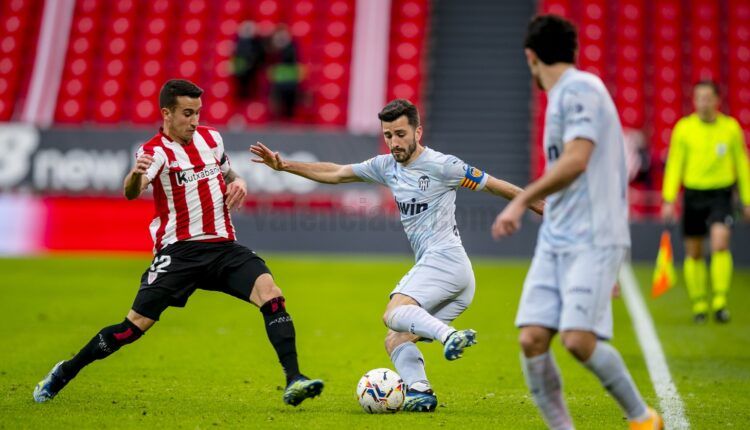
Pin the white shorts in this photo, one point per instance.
(442, 282)
(571, 290)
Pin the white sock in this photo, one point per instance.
(606, 363)
(415, 320)
(409, 363)
(543, 380)
(420, 386)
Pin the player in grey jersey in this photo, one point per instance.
(440, 286)
(585, 235)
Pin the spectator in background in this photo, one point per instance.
(707, 155)
(644, 199)
(249, 55)
(637, 158)
(285, 74)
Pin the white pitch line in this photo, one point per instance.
(673, 410)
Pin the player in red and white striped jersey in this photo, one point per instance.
(194, 243)
(190, 182)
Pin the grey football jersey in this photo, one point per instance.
(425, 194)
(593, 209)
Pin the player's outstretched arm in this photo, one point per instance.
(325, 173)
(136, 181)
(505, 189)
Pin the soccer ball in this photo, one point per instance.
(381, 391)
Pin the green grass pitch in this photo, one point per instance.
(210, 365)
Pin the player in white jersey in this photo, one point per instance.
(194, 243)
(440, 286)
(584, 237)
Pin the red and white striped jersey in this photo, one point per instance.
(189, 188)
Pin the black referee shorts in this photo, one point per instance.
(706, 207)
(182, 267)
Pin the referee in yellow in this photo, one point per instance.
(707, 155)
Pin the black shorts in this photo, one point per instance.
(706, 207)
(182, 267)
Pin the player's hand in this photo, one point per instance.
(668, 213)
(509, 220)
(266, 156)
(142, 164)
(616, 291)
(236, 192)
(746, 213)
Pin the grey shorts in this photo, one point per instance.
(571, 290)
(442, 282)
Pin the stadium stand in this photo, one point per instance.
(409, 30)
(127, 47)
(118, 53)
(19, 24)
(738, 81)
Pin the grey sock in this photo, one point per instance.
(409, 363)
(607, 365)
(543, 380)
(415, 320)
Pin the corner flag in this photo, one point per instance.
(664, 275)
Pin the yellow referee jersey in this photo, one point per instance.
(707, 156)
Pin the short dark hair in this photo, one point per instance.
(397, 108)
(708, 83)
(174, 88)
(553, 38)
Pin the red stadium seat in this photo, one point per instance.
(132, 46)
(667, 95)
(267, 15)
(256, 112)
(149, 65)
(341, 9)
(116, 66)
(327, 55)
(739, 62)
(331, 91)
(407, 37)
(85, 43)
(407, 51)
(592, 37)
(629, 79)
(19, 29)
(704, 39)
(220, 95)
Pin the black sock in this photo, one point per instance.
(280, 330)
(106, 342)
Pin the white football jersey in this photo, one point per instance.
(425, 194)
(593, 210)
